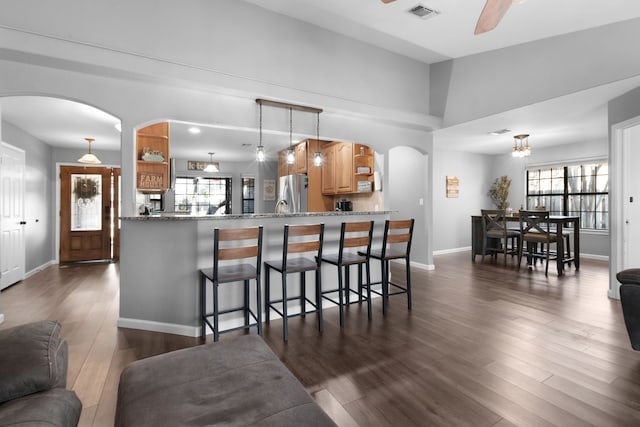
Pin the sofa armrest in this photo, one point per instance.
(33, 358)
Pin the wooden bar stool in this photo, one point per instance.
(396, 244)
(233, 272)
(352, 235)
(298, 239)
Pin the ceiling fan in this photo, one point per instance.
(491, 15)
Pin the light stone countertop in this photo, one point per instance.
(186, 217)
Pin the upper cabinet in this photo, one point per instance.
(344, 167)
(347, 168)
(152, 151)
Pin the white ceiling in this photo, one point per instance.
(449, 34)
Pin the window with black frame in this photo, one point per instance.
(203, 195)
(248, 195)
(572, 190)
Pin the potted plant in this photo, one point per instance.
(499, 192)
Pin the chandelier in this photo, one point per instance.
(521, 146)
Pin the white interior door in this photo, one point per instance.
(631, 201)
(12, 241)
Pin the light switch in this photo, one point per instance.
(421, 201)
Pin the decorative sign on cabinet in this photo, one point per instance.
(152, 150)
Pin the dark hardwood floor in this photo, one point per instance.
(484, 345)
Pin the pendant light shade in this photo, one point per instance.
(89, 157)
(260, 154)
(521, 146)
(317, 156)
(291, 155)
(211, 167)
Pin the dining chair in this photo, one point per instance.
(497, 234)
(232, 248)
(353, 235)
(298, 239)
(396, 245)
(535, 230)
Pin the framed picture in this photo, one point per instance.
(269, 186)
(453, 186)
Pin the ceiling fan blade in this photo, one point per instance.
(387, 1)
(491, 15)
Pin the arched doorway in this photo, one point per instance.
(51, 131)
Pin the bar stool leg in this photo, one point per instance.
(258, 305)
(285, 325)
(319, 300)
(303, 294)
(203, 304)
(408, 272)
(340, 296)
(385, 289)
(246, 303)
(216, 329)
(267, 296)
(347, 284)
(360, 284)
(368, 267)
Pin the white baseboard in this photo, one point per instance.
(452, 251)
(167, 328)
(38, 269)
(597, 257)
(1, 318)
(421, 266)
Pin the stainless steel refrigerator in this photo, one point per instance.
(292, 194)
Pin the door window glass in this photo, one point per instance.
(86, 202)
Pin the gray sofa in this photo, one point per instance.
(33, 377)
(235, 382)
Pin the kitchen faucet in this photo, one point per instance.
(282, 206)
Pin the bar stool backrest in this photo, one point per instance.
(534, 222)
(398, 232)
(226, 247)
(352, 235)
(302, 239)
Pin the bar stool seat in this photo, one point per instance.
(298, 239)
(396, 233)
(232, 271)
(353, 235)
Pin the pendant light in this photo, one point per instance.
(291, 155)
(89, 157)
(521, 146)
(317, 156)
(260, 154)
(211, 167)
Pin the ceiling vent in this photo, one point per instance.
(500, 132)
(423, 12)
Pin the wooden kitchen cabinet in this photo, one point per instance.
(300, 165)
(329, 168)
(344, 167)
(363, 161)
(152, 158)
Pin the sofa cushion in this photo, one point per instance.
(57, 407)
(238, 381)
(33, 358)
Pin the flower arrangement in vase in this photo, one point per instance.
(499, 192)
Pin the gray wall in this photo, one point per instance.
(452, 216)
(38, 196)
(407, 183)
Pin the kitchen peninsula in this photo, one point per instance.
(159, 287)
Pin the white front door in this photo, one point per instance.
(12, 241)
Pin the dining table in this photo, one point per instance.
(561, 222)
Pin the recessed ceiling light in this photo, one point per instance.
(194, 130)
(500, 132)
